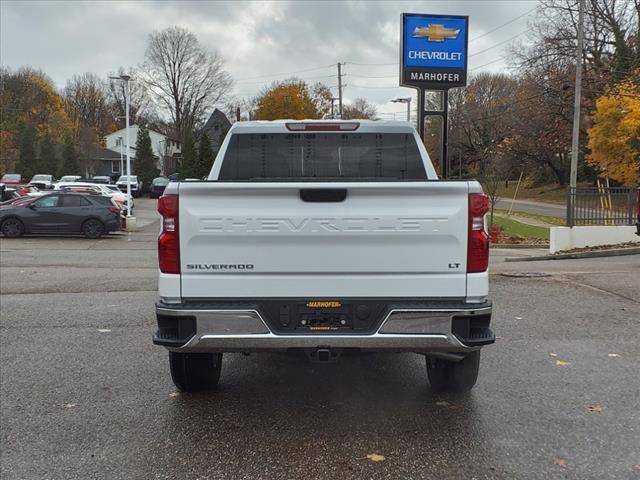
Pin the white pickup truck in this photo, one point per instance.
(323, 236)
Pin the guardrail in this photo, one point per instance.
(602, 206)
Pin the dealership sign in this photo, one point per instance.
(434, 51)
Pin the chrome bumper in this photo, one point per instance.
(413, 330)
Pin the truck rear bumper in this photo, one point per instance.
(423, 330)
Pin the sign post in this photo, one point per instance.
(433, 57)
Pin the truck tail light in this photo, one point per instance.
(169, 240)
(478, 243)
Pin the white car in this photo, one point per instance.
(70, 178)
(136, 185)
(43, 182)
(108, 190)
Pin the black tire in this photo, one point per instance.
(457, 377)
(12, 227)
(195, 372)
(93, 228)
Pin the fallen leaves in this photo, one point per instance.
(442, 403)
(562, 363)
(376, 457)
(561, 462)
(551, 354)
(595, 408)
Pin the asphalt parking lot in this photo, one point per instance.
(84, 394)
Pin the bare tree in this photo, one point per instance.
(360, 108)
(141, 110)
(183, 77)
(322, 97)
(87, 105)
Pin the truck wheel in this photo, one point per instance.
(458, 377)
(192, 372)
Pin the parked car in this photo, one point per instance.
(8, 193)
(102, 179)
(158, 185)
(70, 178)
(29, 191)
(136, 185)
(120, 199)
(43, 182)
(90, 215)
(12, 179)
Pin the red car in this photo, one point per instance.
(12, 179)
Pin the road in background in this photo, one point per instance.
(85, 394)
(533, 207)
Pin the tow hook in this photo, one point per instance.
(323, 355)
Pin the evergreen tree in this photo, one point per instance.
(205, 157)
(189, 157)
(146, 169)
(69, 159)
(48, 161)
(26, 164)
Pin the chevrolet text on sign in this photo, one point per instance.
(434, 51)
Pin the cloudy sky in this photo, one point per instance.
(261, 41)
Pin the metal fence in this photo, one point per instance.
(602, 206)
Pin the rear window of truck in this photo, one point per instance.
(322, 156)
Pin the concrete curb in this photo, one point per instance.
(519, 245)
(614, 252)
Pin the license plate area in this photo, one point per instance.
(323, 316)
(324, 319)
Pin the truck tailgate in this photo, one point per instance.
(387, 239)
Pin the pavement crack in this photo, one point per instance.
(597, 289)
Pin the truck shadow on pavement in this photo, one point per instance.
(272, 404)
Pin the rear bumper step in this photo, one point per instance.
(417, 329)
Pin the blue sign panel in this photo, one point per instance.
(434, 50)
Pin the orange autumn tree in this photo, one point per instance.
(289, 99)
(614, 140)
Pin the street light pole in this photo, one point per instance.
(125, 79)
(406, 100)
(121, 154)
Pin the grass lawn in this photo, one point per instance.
(513, 228)
(542, 218)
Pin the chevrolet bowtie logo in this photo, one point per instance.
(436, 33)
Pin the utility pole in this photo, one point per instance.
(575, 139)
(340, 89)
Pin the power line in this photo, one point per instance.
(488, 63)
(500, 43)
(289, 73)
(242, 82)
(504, 24)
